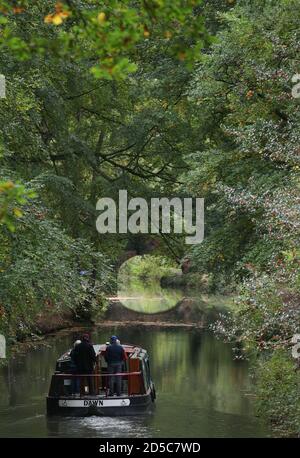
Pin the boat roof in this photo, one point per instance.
(134, 350)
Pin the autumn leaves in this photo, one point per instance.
(59, 16)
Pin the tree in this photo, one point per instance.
(106, 36)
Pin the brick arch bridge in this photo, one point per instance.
(138, 246)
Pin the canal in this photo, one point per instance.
(201, 390)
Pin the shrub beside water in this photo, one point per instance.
(278, 388)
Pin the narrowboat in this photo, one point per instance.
(137, 393)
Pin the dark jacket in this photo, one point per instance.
(115, 354)
(84, 357)
(72, 364)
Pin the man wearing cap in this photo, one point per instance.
(114, 356)
(84, 357)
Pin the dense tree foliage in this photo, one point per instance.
(139, 96)
(247, 167)
(72, 130)
(105, 35)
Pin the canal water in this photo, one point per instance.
(201, 390)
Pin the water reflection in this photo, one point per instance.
(149, 297)
(201, 391)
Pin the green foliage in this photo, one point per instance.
(42, 268)
(226, 129)
(75, 139)
(12, 195)
(105, 35)
(247, 167)
(81, 140)
(148, 267)
(278, 393)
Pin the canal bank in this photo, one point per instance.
(188, 313)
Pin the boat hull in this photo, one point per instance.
(110, 406)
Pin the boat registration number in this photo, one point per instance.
(94, 402)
